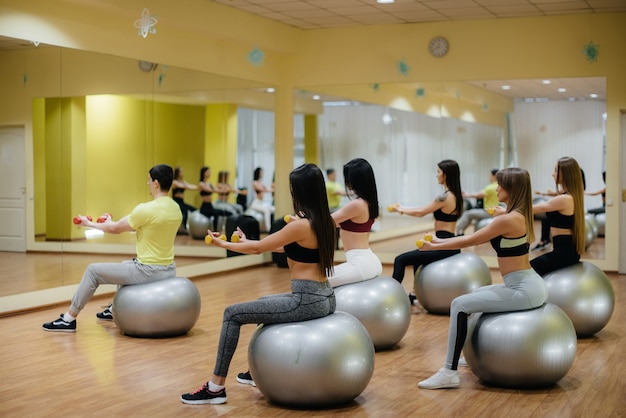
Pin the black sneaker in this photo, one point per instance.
(246, 379)
(540, 245)
(60, 325)
(106, 315)
(203, 396)
(412, 299)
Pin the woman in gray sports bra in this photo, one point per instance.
(510, 234)
(309, 243)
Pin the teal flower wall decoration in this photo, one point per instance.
(591, 51)
(146, 23)
(25, 78)
(485, 107)
(403, 67)
(420, 92)
(256, 57)
(375, 87)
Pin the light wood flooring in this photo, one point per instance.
(98, 372)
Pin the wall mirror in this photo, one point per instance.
(94, 125)
(405, 129)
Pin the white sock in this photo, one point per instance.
(215, 388)
(68, 318)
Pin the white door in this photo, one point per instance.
(12, 190)
(622, 202)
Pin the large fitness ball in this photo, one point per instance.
(438, 283)
(481, 223)
(198, 224)
(586, 295)
(590, 233)
(318, 363)
(601, 221)
(382, 306)
(522, 349)
(165, 308)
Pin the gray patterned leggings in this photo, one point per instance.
(308, 300)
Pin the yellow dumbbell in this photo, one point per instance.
(390, 208)
(287, 218)
(234, 238)
(428, 237)
(490, 211)
(419, 243)
(209, 239)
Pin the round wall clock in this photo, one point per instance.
(438, 46)
(147, 66)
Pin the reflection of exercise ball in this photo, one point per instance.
(438, 283)
(601, 221)
(593, 223)
(317, 363)
(198, 224)
(481, 223)
(382, 306)
(586, 295)
(523, 349)
(589, 233)
(165, 308)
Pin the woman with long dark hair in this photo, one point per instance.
(309, 243)
(355, 220)
(446, 208)
(206, 193)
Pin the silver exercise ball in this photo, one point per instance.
(481, 223)
(590, 233)
(382, 306)
(592, 223)
(198, 224)
(601, 221)
(165, 308)
(522, 349)
(586, 295)
(318, 363)
(438, 283)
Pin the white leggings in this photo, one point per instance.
(522, 289)
(266, 209)
(361, 264)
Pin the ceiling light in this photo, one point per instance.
(506, 87)
(270, 90)
(385, 1)
(546, 82)
(561, 90)
(316, 97)
(593, 96)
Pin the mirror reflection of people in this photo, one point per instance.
(490, 200)
(510, 234)
(156, 223)
(259, 204)
(602, 191)
(309, 244)
(179, 185)
(446, 208)
(565, 214)
(206, 193)
(224, 189)
(334, 190)
(355, 219)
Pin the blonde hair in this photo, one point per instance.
(516, 181)
(569, 177)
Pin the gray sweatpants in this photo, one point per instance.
(522, 289)
(127, 272)
(308, 300)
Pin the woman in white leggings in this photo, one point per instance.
(510, 234)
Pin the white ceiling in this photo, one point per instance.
(317, 14)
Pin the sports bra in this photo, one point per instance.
(558, 220)
(510, 247)
(177, 191)
(205, 193)
(351, 226)
(304, 255)
(445, 217)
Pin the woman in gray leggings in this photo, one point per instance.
(309, 242)
(510, 234)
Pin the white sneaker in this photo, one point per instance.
(463, 362)
(443, 379)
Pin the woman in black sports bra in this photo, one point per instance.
(207, 189)
(446, 208)
(566, 216)
(510, 234)
(309, 243)
(179, 185)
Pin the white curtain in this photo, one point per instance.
(548, 131)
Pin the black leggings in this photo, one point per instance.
(564, 254)
(417, 258)
(308, 300)
(208, 210)
(184, 208)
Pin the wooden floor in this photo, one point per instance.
(97, 372)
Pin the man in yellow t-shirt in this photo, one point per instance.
(156, 223)
(490, 200)
(334, 190)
